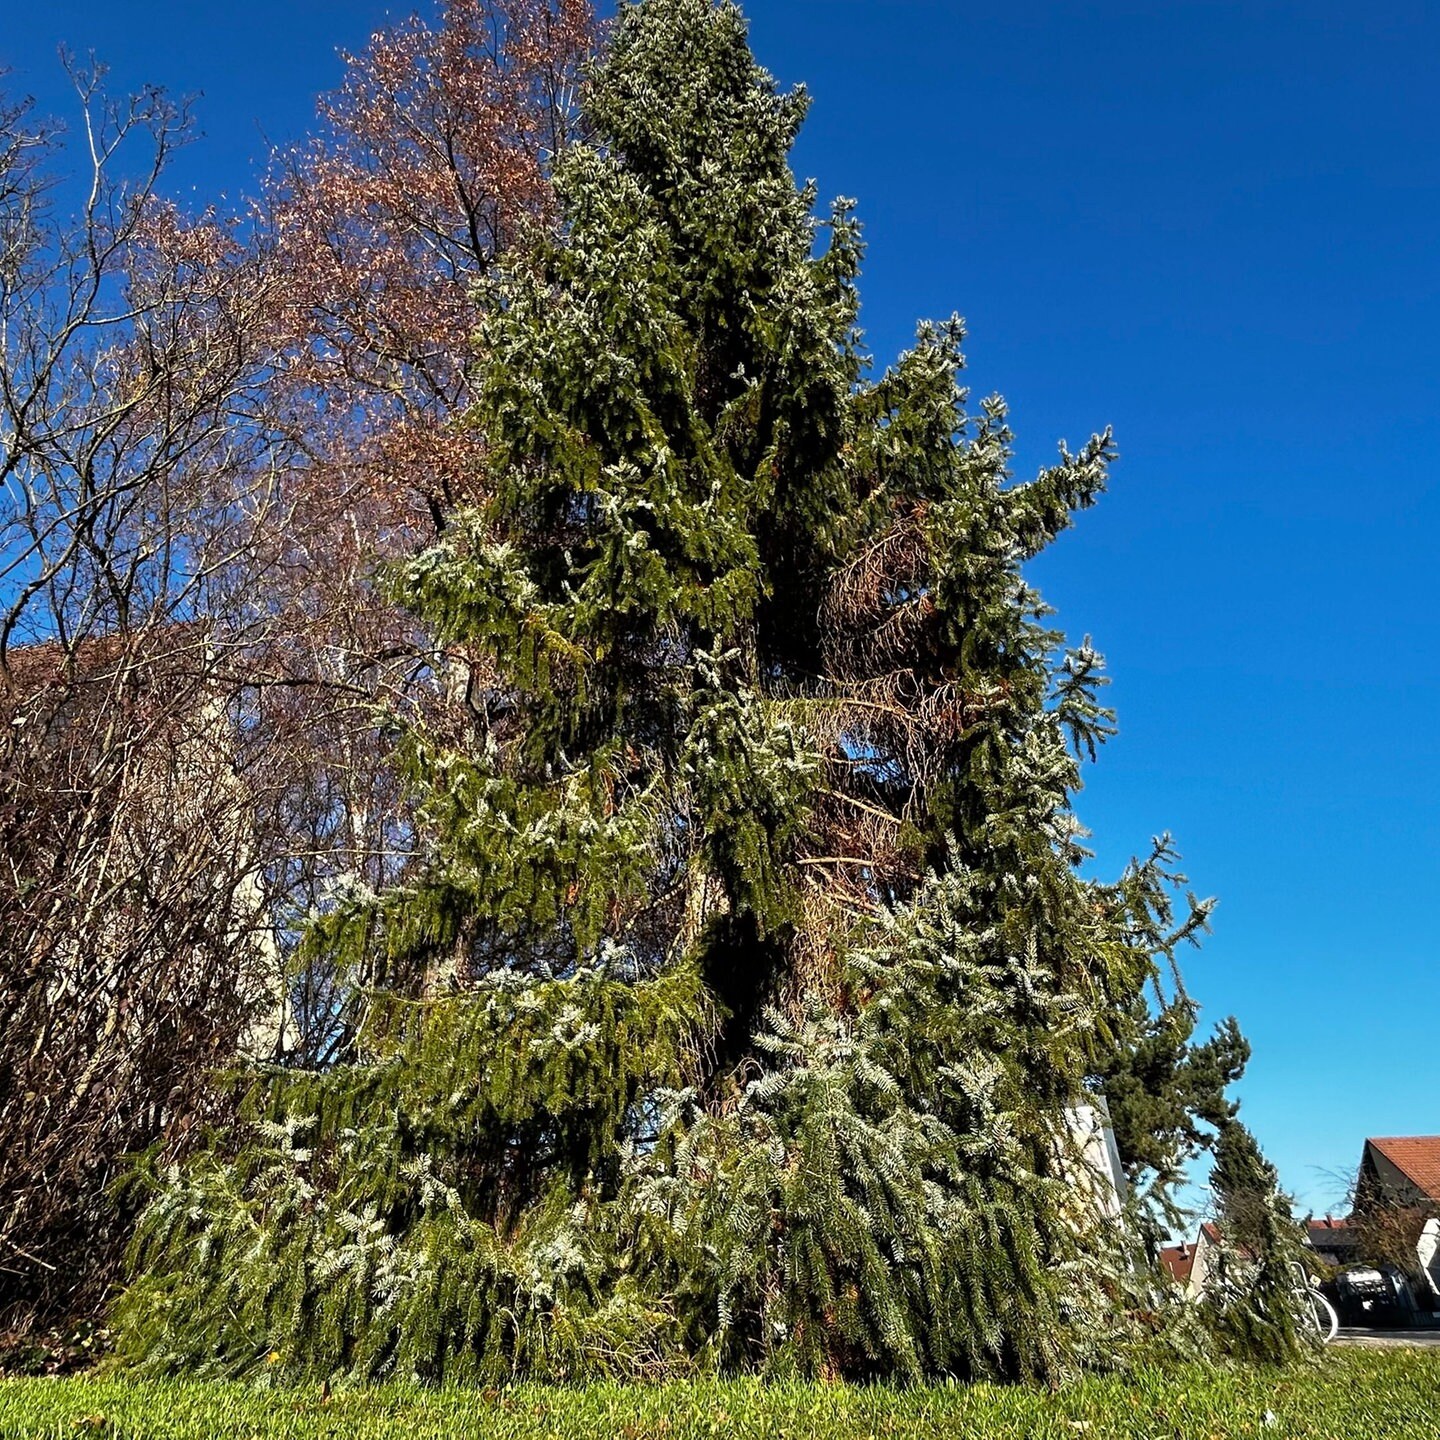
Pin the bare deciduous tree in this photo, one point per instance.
(137, 476)
(213, 432)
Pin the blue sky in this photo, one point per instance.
(1213, 226)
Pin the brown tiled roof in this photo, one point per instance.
(1337, 1238)
(1416, 1157)
(32, 667)
(151, 652)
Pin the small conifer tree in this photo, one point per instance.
(1166, 1093)
(734, 1016)
(1256, 1304)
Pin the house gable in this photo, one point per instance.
(1403, 1168)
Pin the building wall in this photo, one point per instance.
(1101, 1176)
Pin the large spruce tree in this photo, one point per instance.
(735, 1013)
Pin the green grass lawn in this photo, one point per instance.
(1361, 1395)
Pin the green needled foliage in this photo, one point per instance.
(1258, 1305)
(734, 1016)
(1162, 1087)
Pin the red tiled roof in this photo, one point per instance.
(1416, 1157)
(1179, 1260)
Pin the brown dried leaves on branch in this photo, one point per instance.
(888, 728)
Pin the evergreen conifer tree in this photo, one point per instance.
(1166, 1094)
(1256, 1307)
(736, 1012)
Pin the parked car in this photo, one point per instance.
(1375, 1298)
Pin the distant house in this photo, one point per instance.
(117, 756)
(1401, 1171)
(1192, 1263)
(1336, 1242)
(1397, 1203)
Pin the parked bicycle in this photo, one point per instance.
(1313, 1308)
